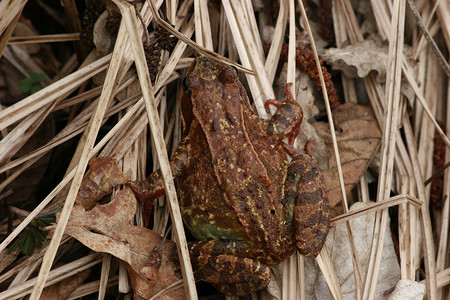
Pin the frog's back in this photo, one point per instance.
(246, 166)
(242, 164)
(209, 213)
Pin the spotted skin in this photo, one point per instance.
(248, 207)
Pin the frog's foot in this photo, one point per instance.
(287, 119)
(312, 211)
(233, 275)
(228, 273)
(148, 189)
(153, 186)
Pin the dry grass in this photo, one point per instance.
(405, 158)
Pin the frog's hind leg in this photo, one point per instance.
(312, 211)
(229, 273)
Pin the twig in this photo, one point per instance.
(198, 48)
(49, 38)
(442, 61)
(437, 173)
(130, 23)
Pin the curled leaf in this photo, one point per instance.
(359, 59)
(109, 228)
(103, 174)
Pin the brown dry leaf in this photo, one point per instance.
(339, 249)
(103, 174)
(63, 289)
(109, 228)
(359, 59)
(358, 142)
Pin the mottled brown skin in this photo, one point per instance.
(239, 196)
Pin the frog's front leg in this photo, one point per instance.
(287, 119)
(304, 185)
(224, 264)
(152, 187)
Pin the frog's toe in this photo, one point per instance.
(232, 275)
(148, 189)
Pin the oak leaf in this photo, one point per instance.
(357, 141)
(359, 59)
(109, 228)
(338, 247)
(104, 173)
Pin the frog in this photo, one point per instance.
(249, 198)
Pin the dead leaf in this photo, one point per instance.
(103, 174)
(109, 228)
(359, 59)
(408, 289)
(357, 143)
(338, 247)
(63, 289)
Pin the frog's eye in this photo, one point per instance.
(184, 84)
(228, 75)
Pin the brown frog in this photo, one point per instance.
(248, 206)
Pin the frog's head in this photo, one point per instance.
(204, 73)
(205, 70)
